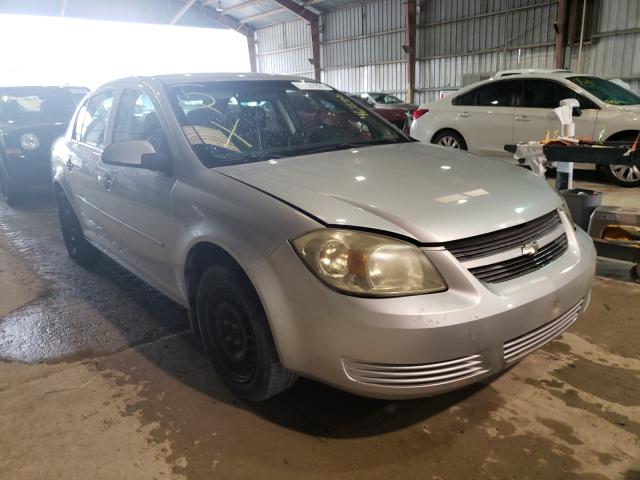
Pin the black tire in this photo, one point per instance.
(624, 176)
(450, 139)
(236, 336)
(80, 250)
(634, 273)
(10, 194)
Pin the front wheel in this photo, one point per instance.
(80, 250)
(623, 175)
(237, 337)
(450, 139)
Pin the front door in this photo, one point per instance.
(136, 202)
(536, 101)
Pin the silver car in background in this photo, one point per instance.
(307, 237)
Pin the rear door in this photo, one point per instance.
(484, 117)
(536, 99)
(136, 202)
(85, 148)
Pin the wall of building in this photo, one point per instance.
(457, 41)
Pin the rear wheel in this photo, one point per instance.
(450, 139)
(237, 337)
(80, 250)
(623, 175)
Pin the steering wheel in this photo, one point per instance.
(307, 132)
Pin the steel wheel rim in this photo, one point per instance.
(449, 142)
(232, 336)
(626, 173)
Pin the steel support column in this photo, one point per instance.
(315, 47)
(314, 25)
(410, 47)
(561, 29)
(251, 45)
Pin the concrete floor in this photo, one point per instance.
(99, 379)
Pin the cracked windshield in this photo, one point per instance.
(238, 122)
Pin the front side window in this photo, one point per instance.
(91, 122)
(495, 94)
(137, 119)
(541, 93)
(585, 103)
(606, 91)
(24, 105)
(238, 122)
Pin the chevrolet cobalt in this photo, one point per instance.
(308, 237)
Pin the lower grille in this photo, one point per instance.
(520, 346)
(414, 375)
(518, 266)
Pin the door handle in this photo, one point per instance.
(107, 181)
(521, 118)
(464, 115)
(69, 164)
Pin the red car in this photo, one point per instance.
(393, 110)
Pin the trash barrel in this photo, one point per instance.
(582, 203)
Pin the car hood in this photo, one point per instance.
(403, 106)
(429, 193)
(630, 108)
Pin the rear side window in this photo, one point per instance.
(495, 94)
(467, 99)
(91, 122)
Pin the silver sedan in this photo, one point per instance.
(309, 237)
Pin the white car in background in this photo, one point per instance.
(517, 106)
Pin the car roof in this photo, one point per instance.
(530, 71)
(548, 76)
(43, 86)
(176, 78)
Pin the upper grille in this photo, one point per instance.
(414, 375)
(519, 347)
(495, 242)
(518, 266)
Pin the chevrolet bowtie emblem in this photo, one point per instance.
(530, 249)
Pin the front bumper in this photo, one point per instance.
(27, 170)
(421, 345)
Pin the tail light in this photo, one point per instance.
(419, 112)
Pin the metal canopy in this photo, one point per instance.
(200, 13)
(244, 16)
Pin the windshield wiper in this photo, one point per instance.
(344, 146)
(249, 157)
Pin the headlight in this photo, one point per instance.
(565, 208)
(366, 264)
(29, 142)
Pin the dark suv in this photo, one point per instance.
(31, 118)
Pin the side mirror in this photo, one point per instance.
(136, 154)
(576, 111)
